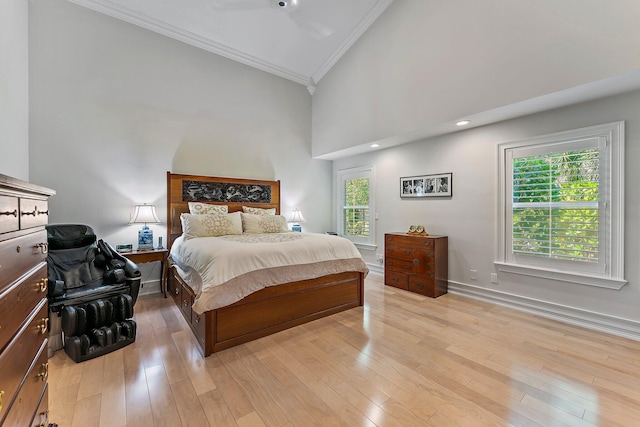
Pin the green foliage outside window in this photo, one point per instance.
(356, 207)
(555, 205)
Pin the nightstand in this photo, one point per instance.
(151, 255)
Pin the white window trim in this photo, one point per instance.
(613, 278)
(370, 243)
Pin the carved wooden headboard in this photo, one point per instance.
(233, 192)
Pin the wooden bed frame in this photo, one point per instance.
(264, 312)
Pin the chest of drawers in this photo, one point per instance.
(24, 317)
(416, 263)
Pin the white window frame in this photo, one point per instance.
(368, 172)
(610, 272)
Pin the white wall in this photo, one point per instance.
(14, 89)
(469, 218)
(425, 64)
(114, 106)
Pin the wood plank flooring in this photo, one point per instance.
(401, 360)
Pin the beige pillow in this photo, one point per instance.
(206, 208)
(258, 211)
(259, 224)
(210, 225)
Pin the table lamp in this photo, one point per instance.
(296, 218)
(145, 214)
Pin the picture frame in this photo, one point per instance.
(435, 185)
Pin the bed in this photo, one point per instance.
(271, 308)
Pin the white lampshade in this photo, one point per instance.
(296, 217)
(145, 214)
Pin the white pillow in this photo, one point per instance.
(259, 224)
(258, 211)
(206, 208)
(210, 225)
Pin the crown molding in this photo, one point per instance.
(364, 24)
(127, 15)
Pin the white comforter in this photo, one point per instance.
(231, 267)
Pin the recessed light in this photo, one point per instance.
(462, 123)
(375, 145)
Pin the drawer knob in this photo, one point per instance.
(197, 319)
(185, 303)
(44, 371)
(1, 394)
(177, 291)
(44, 247)
(35, 209)
(44, 325)
(42, 284)
(416, 261)
(44, 415)
(14, 213)
(420, 286)
(43, 212)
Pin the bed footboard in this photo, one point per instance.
(269, 310)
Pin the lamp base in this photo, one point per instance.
(296, 227)
(145, 239)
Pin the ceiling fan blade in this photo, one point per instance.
(238, 4)
(315, 29)
(310, 21)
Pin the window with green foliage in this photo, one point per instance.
(355, 205)
(356, 215)
(555, 206)
(562, 206)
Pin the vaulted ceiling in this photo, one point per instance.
(296, 39)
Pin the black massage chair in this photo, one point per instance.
(92, 291)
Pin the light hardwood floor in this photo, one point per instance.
(401, 360)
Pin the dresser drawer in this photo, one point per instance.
(41, 416)
(174, 288)
(400, 252)
(417, 242)
(402, 265)
(18, 356)
(17, 302)
(198, 322)
(19, 255)
(22, 408)
(9, 219)
(186, 303)
(33, 212)
(424, 285)
(396, 279)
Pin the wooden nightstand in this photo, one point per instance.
(151, 255)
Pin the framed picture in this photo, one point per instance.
(437, 185)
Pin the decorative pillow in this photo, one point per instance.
(258, 224)
(206, 208)
(258, 211)
(210, 225)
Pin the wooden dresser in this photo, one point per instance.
(24, 316)
(416, 263)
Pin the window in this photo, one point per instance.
(355, 205)
(562, 206)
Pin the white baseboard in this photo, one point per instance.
(575, 316)
(376, 269)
